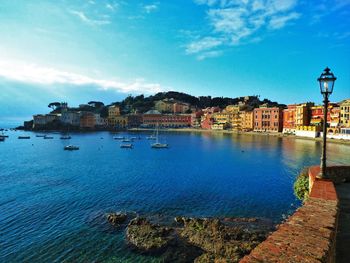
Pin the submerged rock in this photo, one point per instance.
(148, 237)
(116, 218)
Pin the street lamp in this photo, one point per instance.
(326, 81)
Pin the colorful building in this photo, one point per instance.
(181, 107)
(153, 118)
(268, 119)
(164, 106)
(247, 120)
(134, 120)
(70, 118)
(289, 119)
(303, 114)
(87, 120)
(345, 113)
(40, 120)
(317, 115)
(196, 119)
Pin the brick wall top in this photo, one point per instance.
(308, 235)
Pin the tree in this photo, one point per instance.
(54, 105)
(96, 104)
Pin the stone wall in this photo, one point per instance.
(308, 235)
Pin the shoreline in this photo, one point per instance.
(251, 133)
(195, 130)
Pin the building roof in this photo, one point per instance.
(152, 112)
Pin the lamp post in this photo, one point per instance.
(326, 81)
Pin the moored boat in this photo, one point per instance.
(23, 137)
(47, 137)
(71, 148)
(65, 137)
(127, 146)
(158, 145)
(2, 139)
(118, 138)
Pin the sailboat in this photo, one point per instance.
(157, 144)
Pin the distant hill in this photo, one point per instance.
(142, 104)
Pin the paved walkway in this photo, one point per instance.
(343, 236)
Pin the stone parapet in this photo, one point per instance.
(308, 235)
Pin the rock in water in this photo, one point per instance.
(116, 218)
(219, 240)
(148, 237)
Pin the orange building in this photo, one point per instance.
(289, 119)
(268, 119)
(88, 120)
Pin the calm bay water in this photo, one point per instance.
(53, 202)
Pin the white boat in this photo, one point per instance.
(118, 138)
(127, 140)
(71, 148)
(157, 144)
(127, 146)
(152, 137)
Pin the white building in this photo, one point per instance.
(70, 118)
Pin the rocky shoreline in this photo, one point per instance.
(194, 239)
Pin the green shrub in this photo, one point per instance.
(301, 185)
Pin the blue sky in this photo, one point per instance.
(81, 50)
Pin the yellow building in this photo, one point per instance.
(345, 113)
(233, 111)
(302, 114)
(164, 106)
(113, 111)
(120, 122)
(221, 118)
(247, 120)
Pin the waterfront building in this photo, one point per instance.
(40, 120)
(317, 114)
(196, 119)
(221, 119)
(134, 120)
(303, 114)
(247, 120)
(87, 120)
(71, 118)
(345, 113)
(207, 121)
(234, 114)
(268, 119)
(289, 119)
(153, 118)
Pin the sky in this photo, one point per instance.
(82, 50)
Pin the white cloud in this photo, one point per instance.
(203, 44)
(235, 22)
(89, 21)
(278, 22)
(151, 8)
(34, 74)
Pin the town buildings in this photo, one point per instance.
(268, 119)
(345, 113)
(303, 119)
(154, 118)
